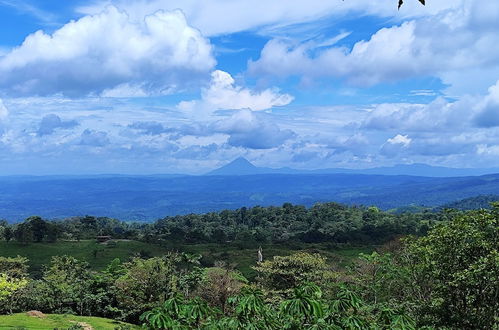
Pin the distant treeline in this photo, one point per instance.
(472, 203)
(324, 222)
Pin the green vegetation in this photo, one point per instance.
(472, 203)
(324, 222)
(444, 277)
(96, 254)
(100, 255)
(60, 321)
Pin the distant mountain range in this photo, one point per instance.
(242, 166)
(146, 198)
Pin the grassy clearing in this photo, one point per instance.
(97, 255)
(59, 321)
(242, 257)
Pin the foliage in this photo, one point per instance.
(284, 273)
(145, 282)
(219, 284)
(472, 203)
(324, 222)
(16, 267)
(67, 280)
(446, 279)
(176, 313)
(459, 261)
(40, 254)
(8, 287)
(246, 227)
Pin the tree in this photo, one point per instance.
(147, 283)
(14, 267)
(283, 274)
(458, 262)
(219, 284)
(23, 233)
(8, 234)
(8, 287)
(67, 282)
(38, 227)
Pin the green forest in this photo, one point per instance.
(427, 270)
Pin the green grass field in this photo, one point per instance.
(59, 321)
(244, 258)
(39, 254)
(100, 255)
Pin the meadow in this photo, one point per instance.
(99, 255)
(58, 321)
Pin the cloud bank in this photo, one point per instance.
(441, 45)
(108, 54)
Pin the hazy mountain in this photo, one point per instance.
(147, 198)
(241, 166)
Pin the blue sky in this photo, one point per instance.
(170, 86)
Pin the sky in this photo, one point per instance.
(170, 86)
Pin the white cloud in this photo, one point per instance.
(218, 17)
(3, 110)
(397, 146)
(441, 45)
(108, 53)
(488, 109)
(437, 116)
(492, 150)
(247, 129)
(124, 90)
(400, 139)
(224, 94)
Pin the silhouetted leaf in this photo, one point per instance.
(401, 2)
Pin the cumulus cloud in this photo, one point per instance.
(51, 122)
(400, 139)
(224, 94)
(488, 109)
(247, 129)
(438, 115)
(396, 145)
(94, 138)
(108, 54)
(451, 41)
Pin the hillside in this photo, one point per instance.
(146, 198)
(472, 203)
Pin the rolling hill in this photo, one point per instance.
(146, 198)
